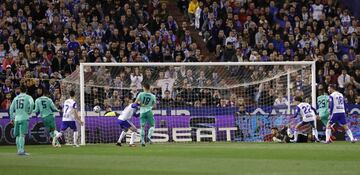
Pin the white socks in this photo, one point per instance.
(76, 134)
(122, 135)
(328, 134)
(132, 139)
(151, 131)
(349, 133)
(315, 134)
(57, 134)
(295, 136)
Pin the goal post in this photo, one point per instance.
(241, 82)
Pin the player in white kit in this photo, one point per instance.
(125, 123)
(337, 113)
(308, 116)
(70, 115)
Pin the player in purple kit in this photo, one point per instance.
(337, 113)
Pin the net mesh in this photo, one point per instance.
(194, 103)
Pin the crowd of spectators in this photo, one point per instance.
(43, 42)
(291, 30)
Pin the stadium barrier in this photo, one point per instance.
(182, 125)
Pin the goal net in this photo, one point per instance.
(195, 101)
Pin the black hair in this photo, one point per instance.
(72, 93)
(146, 86)
(332, 86)
(23, 88)
(298, 98)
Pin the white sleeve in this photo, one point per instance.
(132, 78)
(141, 77)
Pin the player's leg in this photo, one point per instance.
(121, 137)
(324, 118)
(296, 132)
(151, 122)
(49, 123)
(314, 131)
(133, 134)
(333, 119)
(142, 128)
(124, 128)
(75, 134)
(342, 122)
(64, 126)
(349, 133)
(17, 135)
(23, 130)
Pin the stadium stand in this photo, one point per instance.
(42, 42)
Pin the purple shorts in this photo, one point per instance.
(68, 124)
(338, 118)
(124, 124)
(302, 123)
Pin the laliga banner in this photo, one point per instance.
(180, 125)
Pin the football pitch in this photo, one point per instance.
(185, 159)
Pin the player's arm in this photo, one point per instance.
(77, 117)
(275, 139)
(297, 111)
(138, 99)
(312, 108)
(331, 105)
(36, 110)
(11, 110)
(53, 107)
(31, 101)
(75, 113)
(317, 103)
(345, 107)
(154, 102)
(316, 113)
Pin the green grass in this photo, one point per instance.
(186, 159)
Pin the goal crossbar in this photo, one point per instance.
(204, 64)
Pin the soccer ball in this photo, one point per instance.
(97, 109)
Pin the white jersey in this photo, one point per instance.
(68, 108)
(127, 113)
(337, 104)
(317, 11)
(166, 84)
(306, 112)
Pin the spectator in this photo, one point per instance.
(343, 80)
(193, 5)
(166, 84)
(136, 78)
(48, 41)
(167, 101)
(281, 100)
(5, 104)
